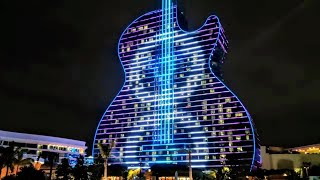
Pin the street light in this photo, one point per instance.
(189, 151)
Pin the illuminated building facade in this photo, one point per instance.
(173, 98)
(35, 144)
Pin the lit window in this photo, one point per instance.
(205, 128)
(147, 133)
(122, 135)
(220, 106)
(222, 149)
(206, 157)
(214, 157)
(239, 114)
(221, 121)
(231, 149)
(128, 48)
(229, 110)
(238, 138)
(141, 138)
(228, 99)
(239, 149)
(220, 110)
(204, 117)
(247, 137)
(181, 75)
(154, 159)
(197, 124)
(211, 90)
(168, 158)
(133, 29)
(141, 128)
(142, 41)
(140, 28)
(221, 133)
(228, 115)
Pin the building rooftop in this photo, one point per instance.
(33, 138)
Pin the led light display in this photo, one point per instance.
(173, 98)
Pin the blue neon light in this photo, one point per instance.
(165, 97)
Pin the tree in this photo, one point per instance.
(64, 169)
(51, 158)
(105, 151)
(30, 173)
(9, 154)
(80, 171)
(2, 159)
(20, 161)
(133, 173)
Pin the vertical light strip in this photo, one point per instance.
(166, 75)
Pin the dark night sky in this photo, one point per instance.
(59, 66)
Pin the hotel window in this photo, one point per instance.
(220, 110)
(154, 159)
(140, 28)
(221, 121)
(231, 149)
(230, 143)
(146, 27)
(141, 128)
(239, 149)
(222, 149)
(228, 99)
(239, 114)
(238, 137)
(147, 133)
(122, 135)
(204, 117)
(128, 49)
(168, 158)
(206, 157)
(221, 133)
(213, 134)
(211, 90)
(247, 137)
(229, 110)
(182, 130)
(220, 116)
(214, 157)
(220, 106)
(228, 115)
(110, 135)
(197, 124)
(141, 139)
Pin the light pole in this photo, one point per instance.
(189, 151)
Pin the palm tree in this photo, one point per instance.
(80, 171)
(20, 161)
(105, 151)
(2, 159)
(64, 169)
(10, 156)
(51, 157)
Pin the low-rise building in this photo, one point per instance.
(35, 144)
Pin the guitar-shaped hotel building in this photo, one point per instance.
(174, 98)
